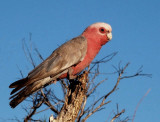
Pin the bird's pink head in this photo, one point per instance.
(99, 32)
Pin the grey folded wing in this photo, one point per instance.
(67, 55)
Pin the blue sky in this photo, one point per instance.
(135, 25)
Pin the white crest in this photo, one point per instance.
(102, 24)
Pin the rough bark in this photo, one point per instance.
(75, 95)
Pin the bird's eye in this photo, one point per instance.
(102, 30)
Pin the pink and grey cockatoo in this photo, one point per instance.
(66, 61)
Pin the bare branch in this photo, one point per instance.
(94, 88)
(20, 72)
(33, 111)
(117, 115)
(137, 74)
(105, 96)
(95, 110)
(82, 109)
(39, 55)
(140, 103)
(42, 110)
(28, 52)
(118, 80)
(104, 60)
(74, 99)
(47, 102)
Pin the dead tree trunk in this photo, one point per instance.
(76, 93)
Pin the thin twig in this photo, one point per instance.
(20, 72)
(33, 112)
(118, 80)
(94, 88)
(95, 110)
(117, 115)
(103, 60)
(30, 58)
(39, 55)
(47, 102)
(140, 103)
(105, 96)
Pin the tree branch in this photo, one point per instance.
(117, 115)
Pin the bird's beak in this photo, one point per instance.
(109, 35)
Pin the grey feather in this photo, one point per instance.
(67, 55)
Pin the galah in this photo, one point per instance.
(65, 62)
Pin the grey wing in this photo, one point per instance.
(67, 55)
